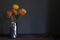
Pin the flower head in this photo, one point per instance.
(15, 6)
(14, 12)
(22, 11)
(9, 14)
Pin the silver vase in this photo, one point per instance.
(13, 30)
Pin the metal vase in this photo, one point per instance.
(13, 30)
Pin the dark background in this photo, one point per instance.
(42, 16)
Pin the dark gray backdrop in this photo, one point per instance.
(42, 16)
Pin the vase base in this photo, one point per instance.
(12, 37)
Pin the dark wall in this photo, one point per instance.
(54, 17)
(38, 19)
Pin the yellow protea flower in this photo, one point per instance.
(15, 6)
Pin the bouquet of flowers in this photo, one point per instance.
(14, 14)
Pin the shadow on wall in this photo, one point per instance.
(3, 22)
(1, 28)
(39, 18)
(53, 19)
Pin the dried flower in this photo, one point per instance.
(22, 11)
(15, 6)
(9, 14)
(14, 12)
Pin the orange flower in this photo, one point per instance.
(14, 12)
(15, 6)
(9, 14)
(22, 12)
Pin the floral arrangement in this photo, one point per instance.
(14, 14)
